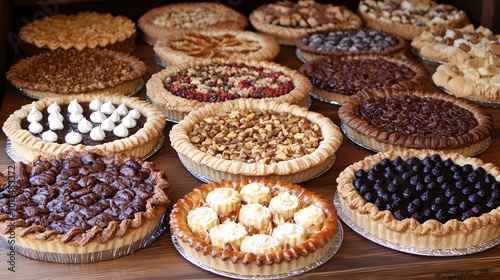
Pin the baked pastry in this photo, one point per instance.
(250, 138)
(287, 20)
(82, 206)
(473, 78)
(423, 198)
(82, 30)
(409, 18)
(335, 79)
(111, 123)
(160, 21)
(72, 72)
(183, 88)
(390, 119)
(345, 42)
(188, 45)
(444, 45)
(233, 246)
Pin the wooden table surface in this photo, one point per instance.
(358, 258)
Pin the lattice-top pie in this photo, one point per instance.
(188, 45)
(78, 31)
(82, 206)
(254, 227)
(423, 198)
(170, 18)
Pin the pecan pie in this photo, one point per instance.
(160, 21)
(183, 88)
(248, 138)
(73, 72)
(423, 198)
(287, 20)
(335, 79)
(112, 123)
(288, 229)
(78, 31)
(188, 45)
(409, 18)
(390, 119)
(352, 41)
(82, 206)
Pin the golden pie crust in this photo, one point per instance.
(409, 18)
(73, 72)
(470, 140)
(432, 234)
(323, 139)
(228, 259)
(77, 241)
(139, 144)
(287, 20)
(352, 74)
(188, 45)
(82, 30)
(160, 21)
(176, 107)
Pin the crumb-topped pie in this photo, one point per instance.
(73, 72)
(160, 21)
(254, 227)
(78, 31)
(389, 119)
(288, 20)
(82, 206)
(423, 198)
(336, 78)
(351, 41)
(409, 18)
(183, 88)
(250, 138)
(112, 123)
(188, 45)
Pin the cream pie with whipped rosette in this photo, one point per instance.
(183, 88)
(82, 206)
(78, 31)
(111, 123)
(231, 227)
(171, 18)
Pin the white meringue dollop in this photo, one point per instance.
(134, 113)
(122, 110)
(56, 124)
(74, 107)
(84, 126)
(97, 117)
(49, 136)
(97, 134)
(129, 122)
(73, 138)
(95, 104)
(54, 107)
(55, 116)
(35, 127)
(108, 108)
(75, 117)
(34, 115)
(108, 125)
(121, 130)
(115, 117)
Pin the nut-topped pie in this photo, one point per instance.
(160, 21)
(183, 88)
(389, 119)
(188, 45)
(78, 31)
(82, 206)
(112, 123)
(250, 138)
(423, 198)
(72, 72)
(288, 20)
(254, 227)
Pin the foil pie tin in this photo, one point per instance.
(482, 103)
(426, 60)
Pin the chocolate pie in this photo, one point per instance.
(250, 138)
(335, 79)
(82, 206)
(389, 119)
(254, 227)
(409, 18)
(78, 31)
(287, 20)
(72, 72)
(423, 198)
(188, 45)
(183, 88)
(170, 18)
(111, 123)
